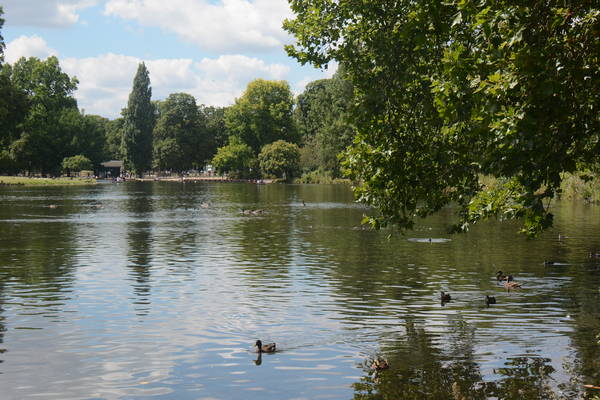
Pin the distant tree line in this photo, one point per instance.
(265, 133)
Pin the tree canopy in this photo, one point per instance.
(180, 141)
(41, 140)
(448, 91)
(138, 123)
(263, 114)
(2, 45)
(322, 117)
(76, 163)
(237, 159)
(280, 159)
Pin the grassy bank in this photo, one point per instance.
(573, 186)
(29, 181)
(319, 177)
(588, 190)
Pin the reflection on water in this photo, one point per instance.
(161, 289)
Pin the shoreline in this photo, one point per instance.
(202, 179)
(6, 180)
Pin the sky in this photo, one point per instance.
(210, 49)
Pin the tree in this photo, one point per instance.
(42, 138)
(263, 114)
(322, 114)
(167, 154)
(448, 91)
(90, 139)
(76, 163)
(114, 139)
(236, 159)
(180, 140)
(14, 107)
(216, 132)
(2, 45)
(280, 159)
(138, 124)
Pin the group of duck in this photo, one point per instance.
(508, 281)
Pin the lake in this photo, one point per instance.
(159, 290)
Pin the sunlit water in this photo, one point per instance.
(159, 290)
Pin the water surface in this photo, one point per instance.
(159, 290)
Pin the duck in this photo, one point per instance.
(379, 364)
(445, 296)
(500, 276)
(548, 263)
(489, 300)
(594, 254)
(511, 284)
(264, 348)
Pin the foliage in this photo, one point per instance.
(322, 115)
(216, 132)
(2, 45)
(321, 177)
(41, 140)
(76, 163)
(167, 154)
(138, 124)
(237, 159)
(179, 135)
(263, 114)
(280, 159)
(113, 139)
(14, 107)
(450, 90)
(581, 186)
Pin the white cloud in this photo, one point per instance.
(228, 26)
(105, 81)
(300, 85)
(44, 13)
(28, 46)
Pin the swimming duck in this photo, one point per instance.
(500, 276)
(548, 263)
(445, 296)
(489, 300)
(264, 348)
(379, 364)
(511, 284)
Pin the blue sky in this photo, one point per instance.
(208, 48)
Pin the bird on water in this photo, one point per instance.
(264, 348)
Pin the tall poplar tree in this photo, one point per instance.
(138, 124)
(2, 46)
